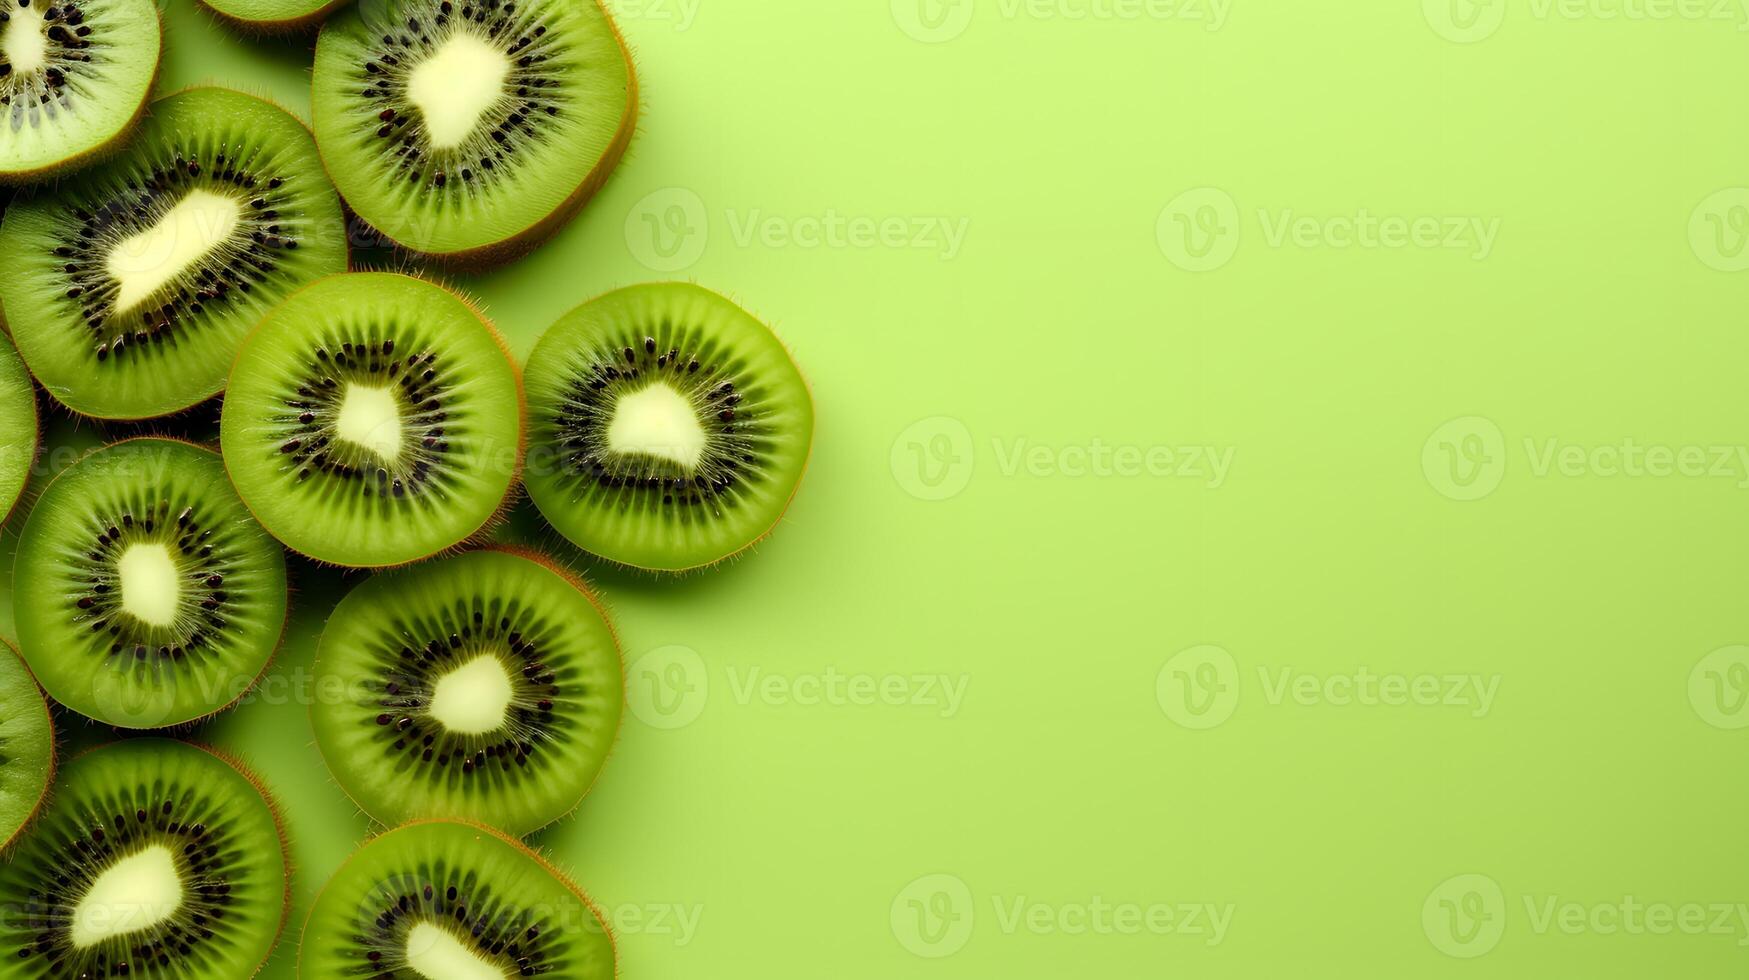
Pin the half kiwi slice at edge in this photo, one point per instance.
(373, 419)
(20, 432)
(27, 746)
(472, 129)
(131, 285)
(156, 860)
(146, 596)
(272, 16)
(483, 687)
(668, 428)
(74, 78)
(440, 899)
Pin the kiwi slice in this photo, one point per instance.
(131, 285)
(668, 428)
(484, 687)
(472, 129)
(27, 746)
(157, 860)
(449, 901)
(74, 77)
(373, 419)
(273, 16)
(19, 433)
(146, 596)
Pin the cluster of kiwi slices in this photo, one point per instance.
(199, 246)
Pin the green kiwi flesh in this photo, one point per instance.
(156, 860)
(131, 286)
(484, 687)
(449, 900)
(273, 16)
(145, 594)
(373, 419)
(19, 433)
(668, 428)
(74, 76)
(27, 746)
(472, 129)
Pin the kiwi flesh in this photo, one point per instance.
(74, 78)
(146, 597)
(668, 428)
(483, 687)
(156, 860)
(131, 286)
(440, 900)
(471, 130)
(27, 746)
(19, 432)
(273, 16)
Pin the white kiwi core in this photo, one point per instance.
(135, 894)
(473, 699)
(150, 588)
(657, 421)
(143, 264)
(455, 86)
(370, 418)
(436, 954)
(25, 44)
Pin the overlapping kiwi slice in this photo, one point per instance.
(373, 419)
(484, 687)
(156, 860)
(472, 129)
(74, 76)
(19, 432)
(273, 16)
(27, 746)
(146, 596)
(668, 428)
(448, 901)
(130, 287)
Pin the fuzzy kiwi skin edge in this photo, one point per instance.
(7, 649)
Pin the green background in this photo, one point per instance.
(951, 526)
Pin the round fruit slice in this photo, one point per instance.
(273, 16)
(146, 596)
(130, 287)
(472, 129)
(452, 902)
(668, 428)
(373, 419)
(27, 746)
(484, 687)
(74, 75)
(18, 428)
(156, 860)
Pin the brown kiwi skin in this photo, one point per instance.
(532, 853)
(274, 28)
(7, 649)
(516, 246)
(511, 495)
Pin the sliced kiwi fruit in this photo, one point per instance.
(273, 16)
(156, 860)
(27, 746)
(668, 428)
(74, 77)
(484, 687)
(449, 901)
(146, 596)
(131, 285)
(472, 129)
(373, 419)
(19, 432)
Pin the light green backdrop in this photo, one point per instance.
(1277, 506)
